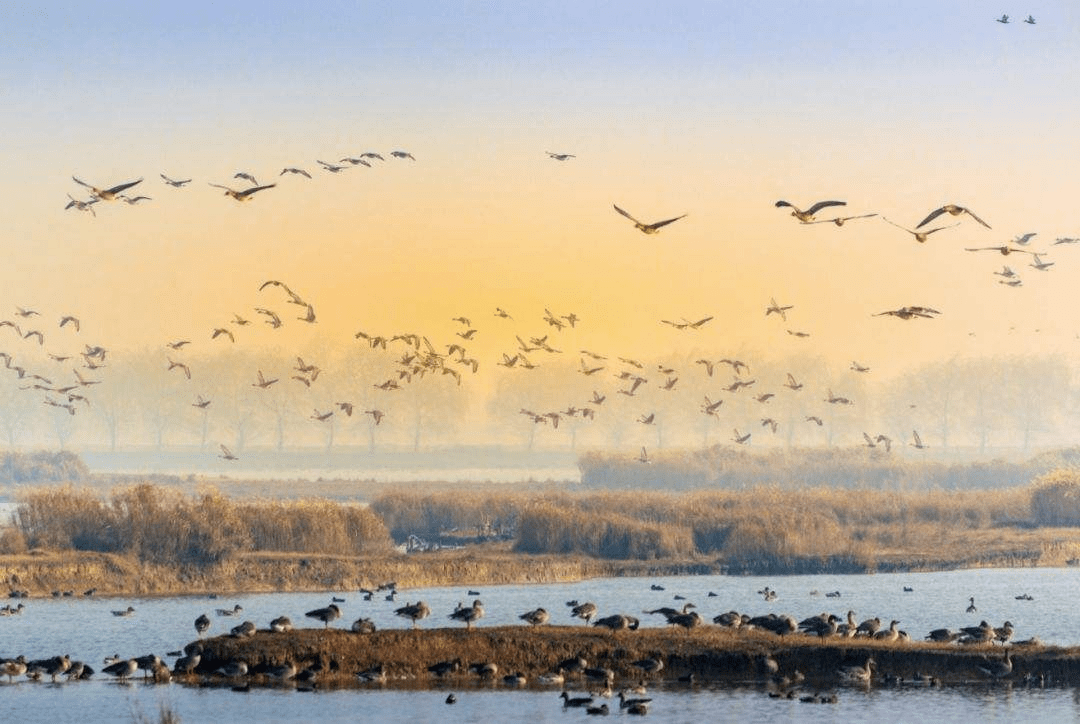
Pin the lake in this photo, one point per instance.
(86, 629)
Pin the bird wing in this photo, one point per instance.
(616, 208)
(932, 215)
(824, 204)
(780, 204)
(971, 213)
(249, 192)
(120, 187)
(219, 186)
(665, 222)
(81, 183)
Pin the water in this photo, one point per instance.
(86, 629)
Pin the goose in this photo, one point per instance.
(1030, 20)
(791, 384)
(202, 623)
(51, 667)
(363, 626)
(1004, 634)
(601, 710)
(778, 309)
(326, 615)
(246, 177)
(125, 612)
(281, 624)
(132, 200)
(413, 611)
(309, 317)
(918, 444)
(226, 454)
(536, 617)
(122, 669)
(293, 170)
(180, 365)
(201, 403)
(1004, 19)
(263, 382)
(856, 367)
(73, 321)
(643, 457)
(555, 678)
(837, 399)
(815, 419)
(372, 154)
(355, 161)
(1003, 250)
(807, 216)
(889, 635)
(233, 669)
(1039, 264)
(858, 674)
(246, 194)
(952, 210)
(321, 416)
(741, 439)
(403, 155)
(587, 610)
(921, 236)
(230, 611)
(109, 194)
(981, 634)
(176, 183)
(971, 606)
(841, 220)
(469, 614)
(942, 636)
(332, 168)
(222, 331)
(82, 205)
(648, 228)
(578, 701)
(560, 156)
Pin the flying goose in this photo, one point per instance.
(187, 371)
(807, 216)
(219, 331)
(917, 443)
(840, 220)
(246, 177)
(132, 200)
(263, 382)
(82, 205)
(952, 210)
(176, 183)
(741, 439)
(856, 367)
(1004, 250)
(775, 308)
(74, 321)
(331, 167)
(355, 161)
(109, 194)
(920, 236)
(560, 156)
(648, 228)
(246, 194)
(791, 384)
(402, 154)
(292, 169)
(1003, 19)
(1030, 20)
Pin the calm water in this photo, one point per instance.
(87, 630)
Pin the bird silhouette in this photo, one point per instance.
(649, 228)
(807, 216)
(245, 194)
(952, 210)
(109, 194)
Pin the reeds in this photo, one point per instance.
(165, 526)
(42, 467)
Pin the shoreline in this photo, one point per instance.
(43, 574)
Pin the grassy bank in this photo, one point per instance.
(710, 653)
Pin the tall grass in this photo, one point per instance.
(42, 467)
(164, 526)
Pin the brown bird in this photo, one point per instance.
(263, 382)
(376, 415)
(219, 331)
(227, 454)
(322, 416)
(109, 194)
(921, 236)
(648, 228)
(174, 365)
(840, 220)
(201, 403)
(70, 320)
(246, 194)
(807, 216)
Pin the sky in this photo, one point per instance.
(714, 110)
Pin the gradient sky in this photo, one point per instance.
(715, 110)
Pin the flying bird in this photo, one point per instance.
(1003, 250)
(174, 365)
(201, 403)
(82, 205)
(1030, 20)
(222, 331)
(291, 169)
(560, 156)
(648, 228)
(227, 454)
(791, 384)
(840, 220)
(247, 177)
(109, 194)
(921, 236)
(917, 441)
(952, 210)
(331, 167)
(402, 154)
(176, 183)
(1004, 19)
(741, 439)
(244, 195)
(775, 308)
(263, 382)
(1023, 239)
(807, 216)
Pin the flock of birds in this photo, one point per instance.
(597, 680)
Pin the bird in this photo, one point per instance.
(971, 605)
(402, 154)
(952, 210)
(177, 183)
(1004, 250)
(775, 308)
(841, 220)
(246, 177)
(376, 415)
(227, 454)
(332, 168)
(122, 669)
(294, 170)
(1039, 264)
(536, 617)
(237, 608)
(791, 384)
(321, 416)
(807, 216)
(577, 701)
(82, 205)
(355, 161)
(648, 228)
(202, 623)
(643, 457)
(132, 200)
(1004, 19)
(998, 669)
(469, 614)
(739, 438)
(413, 611)
(263, 382)
(920, 236)
(326, 615)
(68, 319)
(109, 194)
(246, 194)
(858, 674)
(222, 331)
(917, 443)
(180, 365)
(1030, 20)
(584, 611)
(856, 367)
(363, 626)
(1023, 239)
(125, 612)
(560, 156)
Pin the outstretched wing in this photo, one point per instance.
(254, 189)
(665, 222)
(623, 213)
(971, 213)
(824, 204)
(933, 215)
(121, 187)
(780, 204)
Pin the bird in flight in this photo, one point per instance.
(741, 439)
(1040, 264)
(921, 236)
(244, 195)
(132, 200)
(560, 156)
(1030, 20)
(291, 169)
(402, 154)
(108, 194)
(174, 365)
(840, 220)
(1004, 19)
(1023, 239)
(856, 367)
(331, 167)
(201, 403)
(177, 183)
(263, 382)
(247, 177)
(807, 217)
(775, 308)
(952, 210)
(82, 205)
(648, 228)
(222, 331)
(791, 384)
(1003, 250)
(909, 312)
(917, 441)
(227, 454)
(69, 319)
